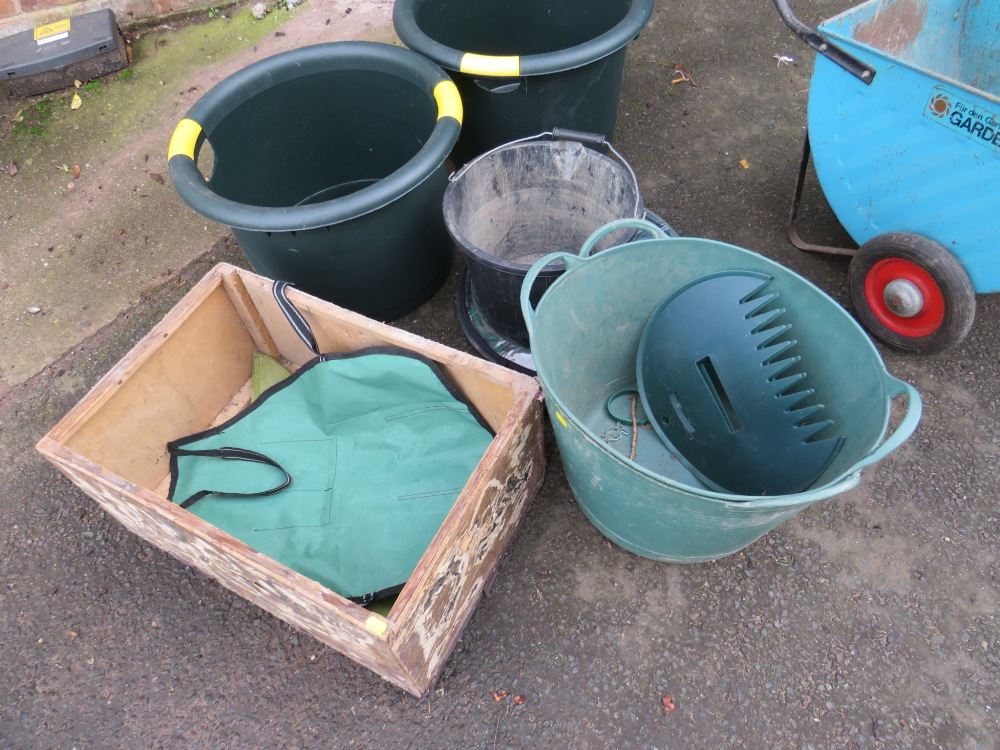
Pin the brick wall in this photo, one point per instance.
(9, 8)
(30, 6)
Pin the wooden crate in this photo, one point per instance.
(192, 371)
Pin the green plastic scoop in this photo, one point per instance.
(716, 376)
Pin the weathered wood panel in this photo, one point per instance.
(452, 576)
(153, 395)
(201, 362)
(297, 600)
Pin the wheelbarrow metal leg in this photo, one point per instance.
(793, 232)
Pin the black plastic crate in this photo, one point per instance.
(54, 55)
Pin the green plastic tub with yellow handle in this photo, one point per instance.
(328, 163)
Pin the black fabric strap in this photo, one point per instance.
(367, 599)
(293, 316)
(234, 454)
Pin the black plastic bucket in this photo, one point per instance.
(524, 67)
(528, 198)
(329, 167)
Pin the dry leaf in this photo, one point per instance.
(519, 700)
(744, 163)
(76, 102)
(499, 695)
(70, 186)
(12, 169)
(668, 704)
(681, 75)
(76, 171)
(78, 83)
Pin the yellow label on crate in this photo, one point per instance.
(376, 624)
(50, 32)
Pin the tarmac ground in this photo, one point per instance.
(869, 620)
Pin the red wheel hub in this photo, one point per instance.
(905, 297)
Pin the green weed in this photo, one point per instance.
(32, 119)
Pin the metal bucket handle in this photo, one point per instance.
(593, 141)
(854, 66)
(571, 261)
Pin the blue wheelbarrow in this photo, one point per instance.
(904, 134)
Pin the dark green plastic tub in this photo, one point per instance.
(524, 67)
(329, 167)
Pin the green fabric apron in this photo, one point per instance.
(343, 472)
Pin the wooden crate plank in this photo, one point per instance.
(292, 597)
(175, 391)
(147, 347)
(152, 397)
(248, 312)
(451, 577)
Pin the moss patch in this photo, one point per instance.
(47, 129)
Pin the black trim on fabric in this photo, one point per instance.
(227, 453)
(295, 318)
(367, 599)
(298, 321)
(431, 364)
(174, 447)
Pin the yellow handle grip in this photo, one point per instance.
(449, 102)
(490, 65)
(184, 139)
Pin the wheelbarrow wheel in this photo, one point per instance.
(911, 293)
